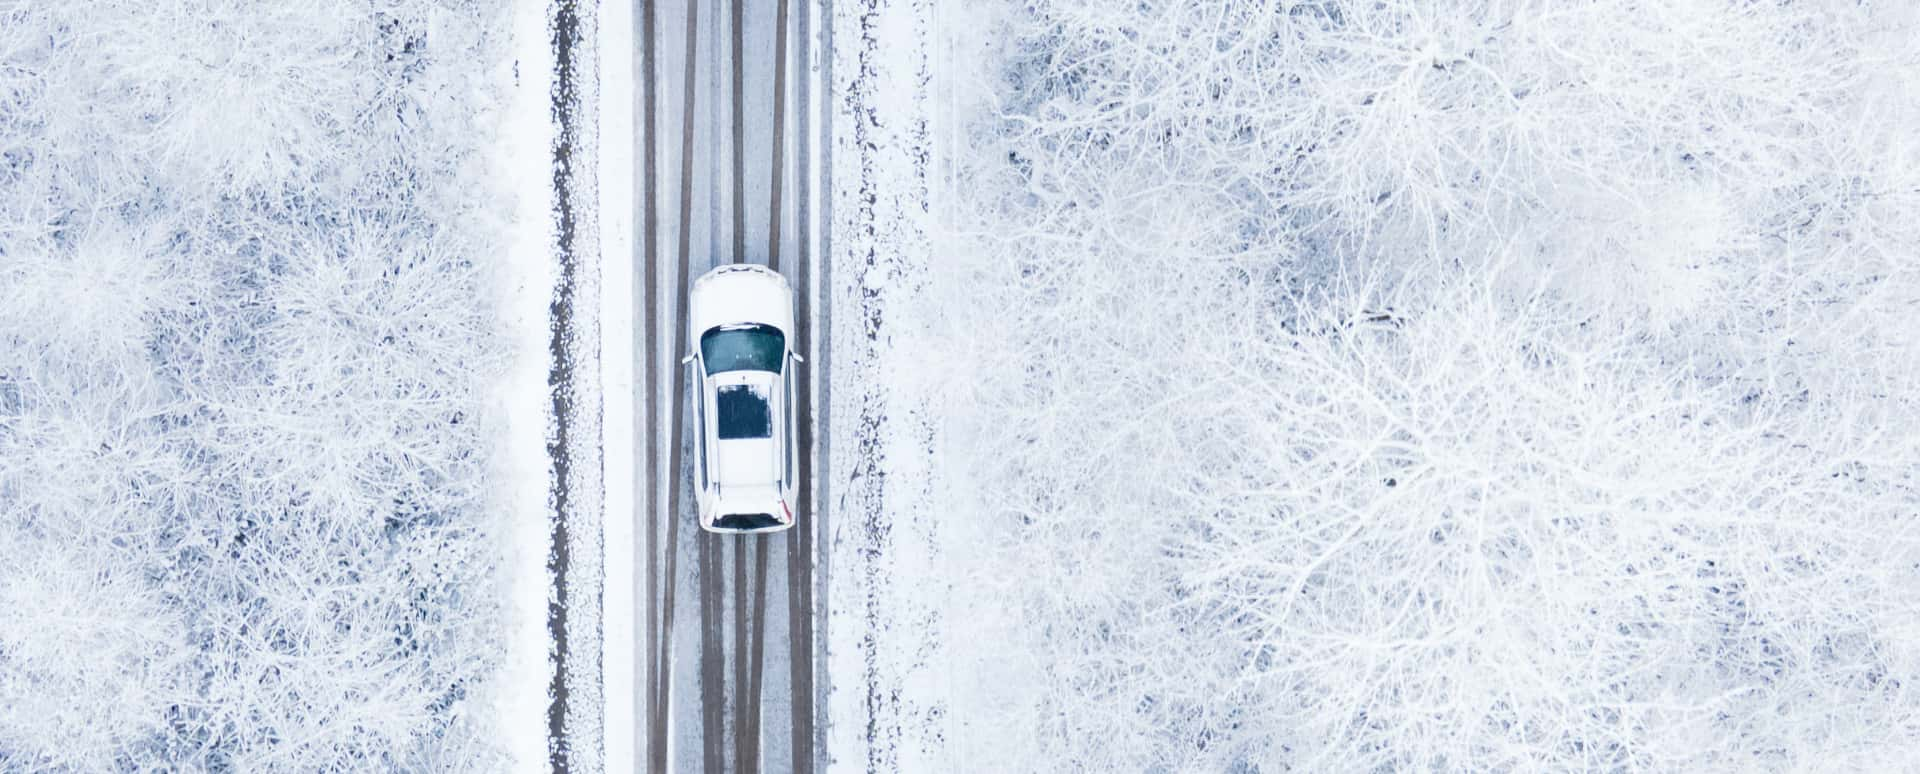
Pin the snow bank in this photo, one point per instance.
(244, 344)
(1369, 387)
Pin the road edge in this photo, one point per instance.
(576, 498)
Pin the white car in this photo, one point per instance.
(745, 448)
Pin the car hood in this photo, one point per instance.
(742, 293)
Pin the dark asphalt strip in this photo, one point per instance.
(676, 471)
(740, 628)
(560, 376)
(758, 647)
(654, 730)
(820, 545)
(779, 135)
(799, 540)
(713, 719)
(739, 134)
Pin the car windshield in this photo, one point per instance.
(744, 412)
(742, 348)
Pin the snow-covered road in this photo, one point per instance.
(723, 627)
(716, 653)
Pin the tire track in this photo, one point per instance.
(713, 720)
(653, 722)
(741, 740)
(802, 542)
(731, 666)
(739, 133)
(662, 703)
(750, 760)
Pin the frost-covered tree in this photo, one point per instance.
(244, 340)
(1399, 386)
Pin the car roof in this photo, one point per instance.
(747, 462)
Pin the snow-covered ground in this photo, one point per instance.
(885, 632)
(524, 158)
(623, 611)
(249, 343)
(1381, 386)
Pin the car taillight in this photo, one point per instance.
(788, 511)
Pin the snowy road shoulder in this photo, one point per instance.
(524, 285)
(621, 609)
(548, 699)
(886, 705)
(577, 479)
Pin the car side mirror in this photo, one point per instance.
(798, 359)
(688, 358)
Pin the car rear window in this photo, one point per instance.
(743, 348)
(746, 521)
(744, 412)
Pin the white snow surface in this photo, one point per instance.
(885, 631)
(624, 611)
(248, 343)
(1383, 386)
(521, 400)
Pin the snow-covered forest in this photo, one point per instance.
(1401, 386)
(244, 341)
